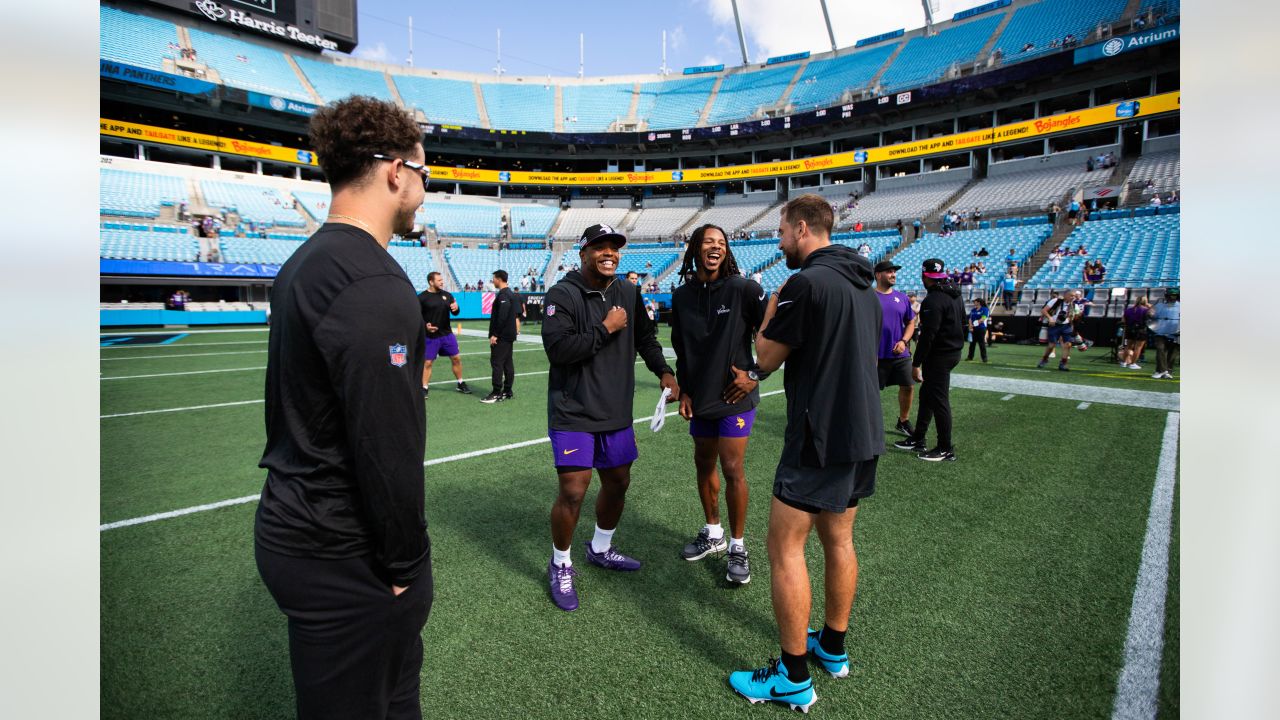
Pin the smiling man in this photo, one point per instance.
(714, 315)
(594, 325)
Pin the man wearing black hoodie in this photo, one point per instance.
(825, 323)
(504, 328)
(714, 314)
(594, 325)
(938, 352)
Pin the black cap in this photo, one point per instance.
(600, 232)
(934, 269)
(886, 265)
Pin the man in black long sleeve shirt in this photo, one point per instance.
(504, 327)
(340, 534)
(937, 354)
(594, 325)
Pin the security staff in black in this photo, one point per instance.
(714, 316)
(504, 327)
(593, 326)
(938, 352)
(340, 533)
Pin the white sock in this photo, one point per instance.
(560, 557)
(736, 544)
(715, 532)
(602, 540)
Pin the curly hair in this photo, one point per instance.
(693, 255)
(348, 133)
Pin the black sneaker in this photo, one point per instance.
(739, 567)
(462, 388)
(904, 427)
(911, 444)
(1063, 367)
(507, 396)
(424, 392)
(938, 455)
(704, 545)
(492, 398)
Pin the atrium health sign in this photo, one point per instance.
(1126, 43)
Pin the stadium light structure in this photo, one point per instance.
(498, 69)
(742, 41)
(929, 7)
(826, 16)
(409, 62)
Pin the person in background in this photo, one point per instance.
(1008, 289)
(937, 354)
(979, 319)
(898, 326)
(504, 328)
(1135, 333)
(1166, 318)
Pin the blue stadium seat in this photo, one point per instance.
(138, 194)
(249, 66)
(335, 82)
(592, 108)
(315, 204)
(180, 246)
(925, 59)
(136, 39)
(1044, 22)
(537, 220)
(261, 205)
(470, 265)
(673, 103)
(440, 99)
(824, 81)
(462, 219)
(517, 106)
(741, 94)
(1138, 252)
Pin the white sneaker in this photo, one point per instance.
(1158, 376)
(1168, 375)
(1134, 366)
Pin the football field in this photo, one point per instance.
(1001, 585)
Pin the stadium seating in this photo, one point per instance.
(314, 203)
(537, 220)
(249, 66)
(1043, 22)
(925, 59)
(957, 252)
(741, 94)
(1138, 252)
(138, 194)
(136, 39)
(253, 203)
(593, 108)
(754, 256)
(824, 81)
(880, 241)
(1031, 189)
(440, 99)
(673, 103)
(574, 220)
(256, 250)
(1163, 169)
(417, 264)
(662, 222)
(732, 217)
(517, 106)
(335, 82)
(462, 220)
(177, 246)
(469, 265)
(905, 204)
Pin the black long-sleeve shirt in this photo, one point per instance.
(593, 374)
(941, 323)
(711, 329)
(346, 426)
(436, 309)
(502, 319)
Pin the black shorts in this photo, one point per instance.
(1071, 214)
(833, 488)
(1134, 333)
(895, 371)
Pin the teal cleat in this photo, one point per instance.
(837, 665)
(771, 683)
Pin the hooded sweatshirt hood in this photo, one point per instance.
(846, 261)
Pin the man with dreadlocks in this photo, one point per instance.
(714, 315)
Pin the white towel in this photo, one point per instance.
(660, 412)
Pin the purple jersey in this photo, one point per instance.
(896, 313)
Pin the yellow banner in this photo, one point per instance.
(210, 143)
(1062, 122)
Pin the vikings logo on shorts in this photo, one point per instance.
(399, 355)
(551, 310)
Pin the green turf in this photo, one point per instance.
(997, 586)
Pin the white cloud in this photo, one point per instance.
(710, 60)
(676, 38)
(776, 28)
(376, 53)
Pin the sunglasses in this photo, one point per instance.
(419, 168)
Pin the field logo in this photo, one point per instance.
(399, 355)
(1114, 46)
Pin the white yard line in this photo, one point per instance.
(1137, 691)
(264, 367)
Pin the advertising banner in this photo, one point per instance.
(199, 141)
(1126, 43)
(154, 78)
(279, 104)
(195, 269)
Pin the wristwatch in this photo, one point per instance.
(756, 374)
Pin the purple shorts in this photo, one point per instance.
(446, 345)
(733, 426)
(594, 449)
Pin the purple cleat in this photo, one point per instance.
(562, 592)
(611, 559)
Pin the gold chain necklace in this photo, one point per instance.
(362, 223)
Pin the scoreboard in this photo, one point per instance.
(315, 24)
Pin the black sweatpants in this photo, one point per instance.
(935, 398)
(355, 647)
(504, 369)
(979, 339)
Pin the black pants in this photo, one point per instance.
(979, 339)
(1167, 350)
(504, 369)
(354, 646)
(935, 398)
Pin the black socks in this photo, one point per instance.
(797, 667)
(831, 641)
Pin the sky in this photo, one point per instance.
(621, 38)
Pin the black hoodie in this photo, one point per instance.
(941, 323)
(711, 328)
(830, 316)
(593, 372)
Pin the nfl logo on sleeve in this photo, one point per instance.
(399, 355)
(551, 310)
